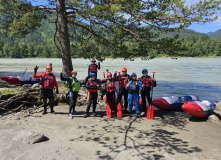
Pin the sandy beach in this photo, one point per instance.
(170, 135)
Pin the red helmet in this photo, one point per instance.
(124, 69)
(109, 74)
(48, 67)
(93, 60)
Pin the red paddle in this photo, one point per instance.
(119, 110)
(150, 110)
(108, 111)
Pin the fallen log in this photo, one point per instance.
(6, 96)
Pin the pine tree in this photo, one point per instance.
(143, 21)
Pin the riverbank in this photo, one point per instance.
(170, 135)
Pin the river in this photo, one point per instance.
(177, 77)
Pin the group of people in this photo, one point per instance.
(129, 87)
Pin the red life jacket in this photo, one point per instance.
(111, 87)
(94, 87)
(93, 68)
(147, 82)
(48, 81)
(123, 81)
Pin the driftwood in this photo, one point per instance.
(16, 101)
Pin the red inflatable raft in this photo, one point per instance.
(198, 109)
(173, 102)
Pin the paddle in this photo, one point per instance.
(119, 110)
(119, 106)
(108, 111)
(107, 106)
(150, 111)
(24, 72)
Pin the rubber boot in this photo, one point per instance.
(86, 115)
(138, 115)
(52, 110)
(44, 111)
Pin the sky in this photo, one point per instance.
(202, 28)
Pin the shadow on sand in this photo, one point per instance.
(136, 138)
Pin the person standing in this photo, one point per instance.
(92, 85)
(110, 91)
(73, 88)
(92, 68)
(48, 83)
(147, 82)
(133, 87)
(124, 78)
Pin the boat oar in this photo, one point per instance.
(150, 110)
(119, 110)
(25, 71)
(108, 111)
(88, 96)
(119, 106)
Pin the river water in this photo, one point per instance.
(175, 77)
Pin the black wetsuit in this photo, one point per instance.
(146, 93)
(124, 92)
(93, 95)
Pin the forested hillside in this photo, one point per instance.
(41, 44)
(215, 34)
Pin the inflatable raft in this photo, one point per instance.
(198, 109)
(173, 102)
(20, 80)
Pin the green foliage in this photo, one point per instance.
(119, 28)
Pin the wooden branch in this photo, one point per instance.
(6, 96)
(18, 107)
(55, 33)
(89, 31)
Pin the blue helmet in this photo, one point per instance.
(144, 70)
(133, 74)
(92, 74)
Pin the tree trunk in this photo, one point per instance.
(64, 38)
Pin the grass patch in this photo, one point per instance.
(8, 91)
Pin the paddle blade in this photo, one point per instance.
(150, 112)
(119, 110)
(108, 111)
(88, 96)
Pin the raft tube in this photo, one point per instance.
(173, 102)
(198, 109)
(20, 80)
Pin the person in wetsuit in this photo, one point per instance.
(73, 88)
(92, 85)
(48, 83)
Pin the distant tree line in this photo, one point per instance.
(199, 47)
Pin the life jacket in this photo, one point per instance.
(134, 88)
(75, 86)
(147, 81)
(94, 87)
(111, 87)
(93, 68)
(123, 81)
(48, 81)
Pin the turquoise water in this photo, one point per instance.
(184, 76)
